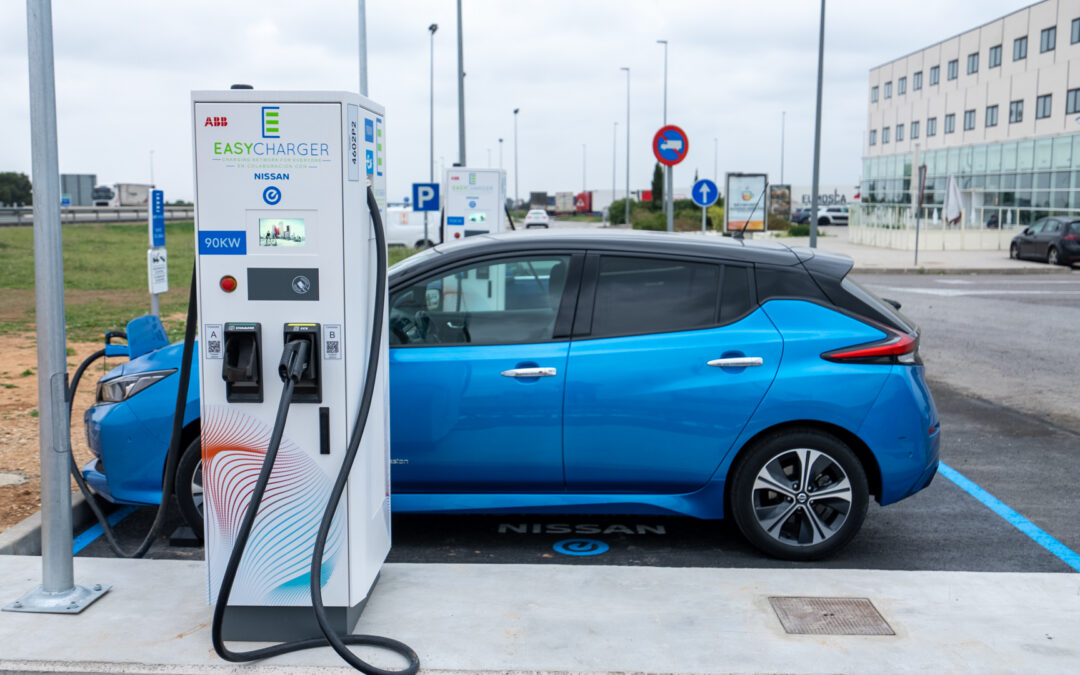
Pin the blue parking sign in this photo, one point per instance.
(425, 196)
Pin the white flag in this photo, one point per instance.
(953, 202)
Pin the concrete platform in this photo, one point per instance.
(573, 619)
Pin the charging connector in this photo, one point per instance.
(309, 385)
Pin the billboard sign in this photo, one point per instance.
(746, 202)
(780, 201)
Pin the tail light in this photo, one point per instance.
(1072, 237)
(895, 347)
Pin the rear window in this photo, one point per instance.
(786, 282)
(888, 314)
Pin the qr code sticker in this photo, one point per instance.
(213, 347)
(332, 347)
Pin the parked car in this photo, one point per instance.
(800, 216)
(833, 215)
(619, 373)
(1055, 240)
(537, 218)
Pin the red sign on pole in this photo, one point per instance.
(670, 145)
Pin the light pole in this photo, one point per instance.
(583, 167)
(614, 163)
(628, 142)
(431, 122)
(500, 154)
(362, 45)
(460, 89)
(817, 131)
(668, 170)
(783, 123)
(517, 199)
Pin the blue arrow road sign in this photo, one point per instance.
(704, 192)
(425, 196)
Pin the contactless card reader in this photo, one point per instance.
(285, 253)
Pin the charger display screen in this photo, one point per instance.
(282, 232)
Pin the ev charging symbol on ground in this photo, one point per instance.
(272, 195)
(580, 547)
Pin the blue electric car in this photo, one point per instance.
(611, 373)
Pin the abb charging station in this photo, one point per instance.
(286, 255)
(475, 202)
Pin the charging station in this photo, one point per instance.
(285, 253)
(475, 202)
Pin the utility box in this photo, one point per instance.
(475, 202)
(285, 251)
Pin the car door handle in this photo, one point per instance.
(737, 362)
(529, 372)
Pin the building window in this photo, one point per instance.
(954, 69)
(916, 81)
(873, 137)
(995, 57)
(1047, 39)
(969, 120)
(901, 86)
(935, 75)
(1020, 48)
(931, 126)
(1075, 31)
(899, 132)
(884, 135)
(873, 94)
(914, 130)
(1016, 112)
(991, 115)
(1072, 100)
(973, 63)
(1042, 106)
(950, 123)
(888, 90)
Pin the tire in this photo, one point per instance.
(823, 221)
(188, 486)
(789, 522)
(1014, 251)
(1052, 257)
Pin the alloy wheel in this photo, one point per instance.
(801, 497)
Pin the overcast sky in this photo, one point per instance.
(125, 70)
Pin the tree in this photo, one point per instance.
(15, 189)
(657, 187)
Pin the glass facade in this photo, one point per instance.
(1019, 181)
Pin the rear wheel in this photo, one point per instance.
(189, 486)
(1052, 256)
(799, 495)
(823, 221)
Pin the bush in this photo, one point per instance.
(799, 230)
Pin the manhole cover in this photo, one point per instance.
(11, 478)
(829, 616)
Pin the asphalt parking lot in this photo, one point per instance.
(942, 528)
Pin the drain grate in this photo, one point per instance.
(829, 616)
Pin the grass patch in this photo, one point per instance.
(26, 373)
(581, 218)
(104, 278)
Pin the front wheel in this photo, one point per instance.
(1014, 252)
(799, 495)
(823, 221)
(1052, 256)
(189, 486)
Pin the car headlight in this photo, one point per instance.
(122, 388)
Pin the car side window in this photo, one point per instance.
(1038, 226)
(735, 300)
(653, 295)
(1052, 227)
(505, 301)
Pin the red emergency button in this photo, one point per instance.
(228, 283)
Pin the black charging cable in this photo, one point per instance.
(172, 457)
(293, 362)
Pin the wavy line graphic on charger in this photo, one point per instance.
(275, 569)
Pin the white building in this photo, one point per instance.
(997, 106)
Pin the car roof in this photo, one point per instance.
(619, 241)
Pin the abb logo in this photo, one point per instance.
(216, 122)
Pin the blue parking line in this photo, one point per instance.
(1036, 533)
(86, 538)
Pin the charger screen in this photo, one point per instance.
(282, 232)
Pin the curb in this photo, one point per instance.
(1008, 271)
(24, 537)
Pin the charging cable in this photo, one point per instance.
(294, 360)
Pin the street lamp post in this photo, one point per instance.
(669, 171)
(614, 163)
(628, 142)
(517, 199)
(783, 123)
(431, 122)
(460, 89)
(817, 131)
(500, 154)
(583, 181)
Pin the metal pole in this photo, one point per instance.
(57, 591)
(614, 162)
(583, 181)
(817, 131)
(669, 210)
(500, 154)
(517, 198)
(703, 219)
(627, 144)
(461, 90)
(362, 11)
(431, 121)
(783, 123)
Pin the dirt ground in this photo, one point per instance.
(19, 461)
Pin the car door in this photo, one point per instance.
(669, 361)
(477, 367)
(1030, 236)
(1049, 234)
